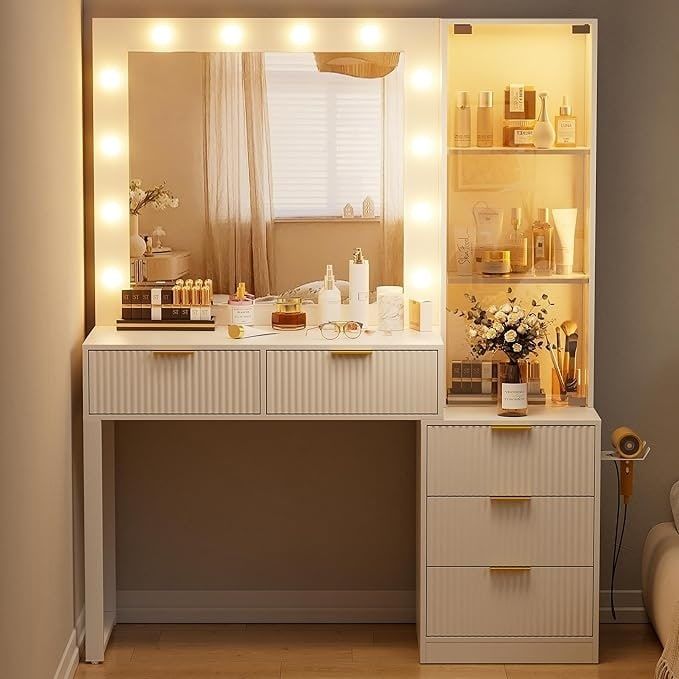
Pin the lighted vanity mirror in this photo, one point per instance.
(271, 166)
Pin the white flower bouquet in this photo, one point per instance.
(158, 197)
(508, 327)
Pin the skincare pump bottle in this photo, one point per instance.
(518, 244)
(329, 298)
(542, 243)
(484, 119)
(543, 132)
(463, 121)
(566, 125)
(359, 287)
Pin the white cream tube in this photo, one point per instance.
(564, 223)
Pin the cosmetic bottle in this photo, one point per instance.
(359, 287)
(517, 244)
(542, 243)
(543, 132)
(242, 307)
(519, 102)
(463, 121)
(329, 298)
(566, 125)
(484, 120)
(288, 314)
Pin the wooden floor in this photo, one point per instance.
(335, 652)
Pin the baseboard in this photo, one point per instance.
(80, 631)
(256, 606)
(629, 606)
(69, 659)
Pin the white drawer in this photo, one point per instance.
(201, 382)
(539, 460)
(484, 531)
(318, 382)
(480, 602)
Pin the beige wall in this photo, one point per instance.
(636, 375)
(166, 144)
(41, 259)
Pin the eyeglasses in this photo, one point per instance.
(333, 329)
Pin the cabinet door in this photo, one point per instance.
(486, 461)
(174, 382)
(311, 382)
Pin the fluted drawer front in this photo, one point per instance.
(480, 460)
(540, 602)
(390, 382)
(484, 531)
(174, 383)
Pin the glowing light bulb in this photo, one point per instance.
(110, 79)
(422, 79)
(232, 34)
(421, 278)
(422, 212)
(111, 145)
(161, 34)
(370, 34)
(111, 212)
(300, 34)
(112, 278)
(422, 145)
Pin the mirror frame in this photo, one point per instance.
(424, 150)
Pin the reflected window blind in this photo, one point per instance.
(326, 138)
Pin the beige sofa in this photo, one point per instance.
(660, 576)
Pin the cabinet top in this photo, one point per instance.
(108, 337)
(537, 415)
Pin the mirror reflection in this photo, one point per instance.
(264, 168)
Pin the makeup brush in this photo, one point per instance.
(557, 368)
(569, 328)
(558, 347)
(572, 376)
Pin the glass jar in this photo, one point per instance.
(288, 314)
(512, 390)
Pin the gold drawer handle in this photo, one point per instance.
(357, 354)
(511, 427)
(509, 569)
(160, 354)
(507, 498)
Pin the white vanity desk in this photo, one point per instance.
(206, 375)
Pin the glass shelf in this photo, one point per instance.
(516, 278)
(514, 150)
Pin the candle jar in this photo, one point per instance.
(288, 314)
(390, 308)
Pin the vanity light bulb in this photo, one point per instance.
(161, 35)
(422, 145)
(422, 212)
(422, 79)
(112, 278)
(232, 35)
(110, 145)
(300, 34)
(111, 212)
(370, 34)
(110, 79)
(421, 279)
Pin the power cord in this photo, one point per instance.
(617, 545)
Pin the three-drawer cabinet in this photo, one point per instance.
(509, 543)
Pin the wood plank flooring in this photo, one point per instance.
(335, 652)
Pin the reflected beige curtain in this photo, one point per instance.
(392, 163)
(238, 185)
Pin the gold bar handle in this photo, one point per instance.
(511, 427)
(507, 498)
(357, 354)
(509, 569)
(160, 354)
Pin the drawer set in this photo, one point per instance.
(250, 382)
(508, 535)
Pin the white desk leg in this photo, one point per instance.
(94, 540)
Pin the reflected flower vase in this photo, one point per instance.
(512, 390)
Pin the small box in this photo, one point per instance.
(194, 314)
(156, 312)
(156, 296)
(421, 315)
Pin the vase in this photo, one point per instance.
(512, 390)
(137, 244)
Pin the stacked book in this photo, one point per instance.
(174, 305)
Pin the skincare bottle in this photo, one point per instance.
(542, 243)
(543, 132)
(359, 287)
(463, 121)
(242, 307)
(566, 125)
(517, 244)
(484, 119)
(329, 298)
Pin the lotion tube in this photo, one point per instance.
(359, 288)
(564, 223)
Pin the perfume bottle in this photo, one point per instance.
(543, 132)
(484, 119)
(542, 243)
(566, 125)
(463, 121)
(517, 244)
